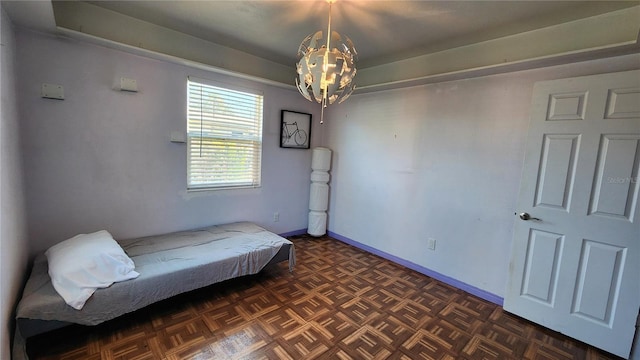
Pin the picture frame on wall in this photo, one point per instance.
(295, 129)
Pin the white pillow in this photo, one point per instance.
(86, 262)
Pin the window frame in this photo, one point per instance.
(255, 158)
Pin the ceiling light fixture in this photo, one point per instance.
(326, 69)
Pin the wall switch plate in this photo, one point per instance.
(276, 216)
(52, 91)
(128, 85)
(178, 137)
(431, 244)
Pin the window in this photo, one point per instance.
(224, 131)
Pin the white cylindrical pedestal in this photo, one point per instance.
(319, 197)
(317, 223)
(319, 193)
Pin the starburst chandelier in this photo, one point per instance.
(326, 67)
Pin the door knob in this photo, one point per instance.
(525, 216)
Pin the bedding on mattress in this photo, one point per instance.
(168, 264)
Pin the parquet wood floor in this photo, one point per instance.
(339, 303)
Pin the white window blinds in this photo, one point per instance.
(224, 129)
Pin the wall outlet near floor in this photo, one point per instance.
(276, 216)
(431, 243)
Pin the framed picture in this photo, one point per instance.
(295, 129)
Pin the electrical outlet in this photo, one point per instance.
(431, 244)
(276, 216)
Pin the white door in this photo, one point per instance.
(576, 268)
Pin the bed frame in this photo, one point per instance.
(40, 291)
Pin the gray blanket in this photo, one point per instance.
(168, 265)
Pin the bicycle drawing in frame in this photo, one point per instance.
(295, 129)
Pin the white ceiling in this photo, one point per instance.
(384, 32)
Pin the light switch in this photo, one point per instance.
(52, 91)
(178, 137)
(128, 85)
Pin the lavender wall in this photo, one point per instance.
(13, 241)
(102, 159)
(439, 161)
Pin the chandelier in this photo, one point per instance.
(326, 67)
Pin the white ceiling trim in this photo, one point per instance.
(89, 19)
(610, 34)
(72, 34)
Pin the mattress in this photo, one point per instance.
(168, 264)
